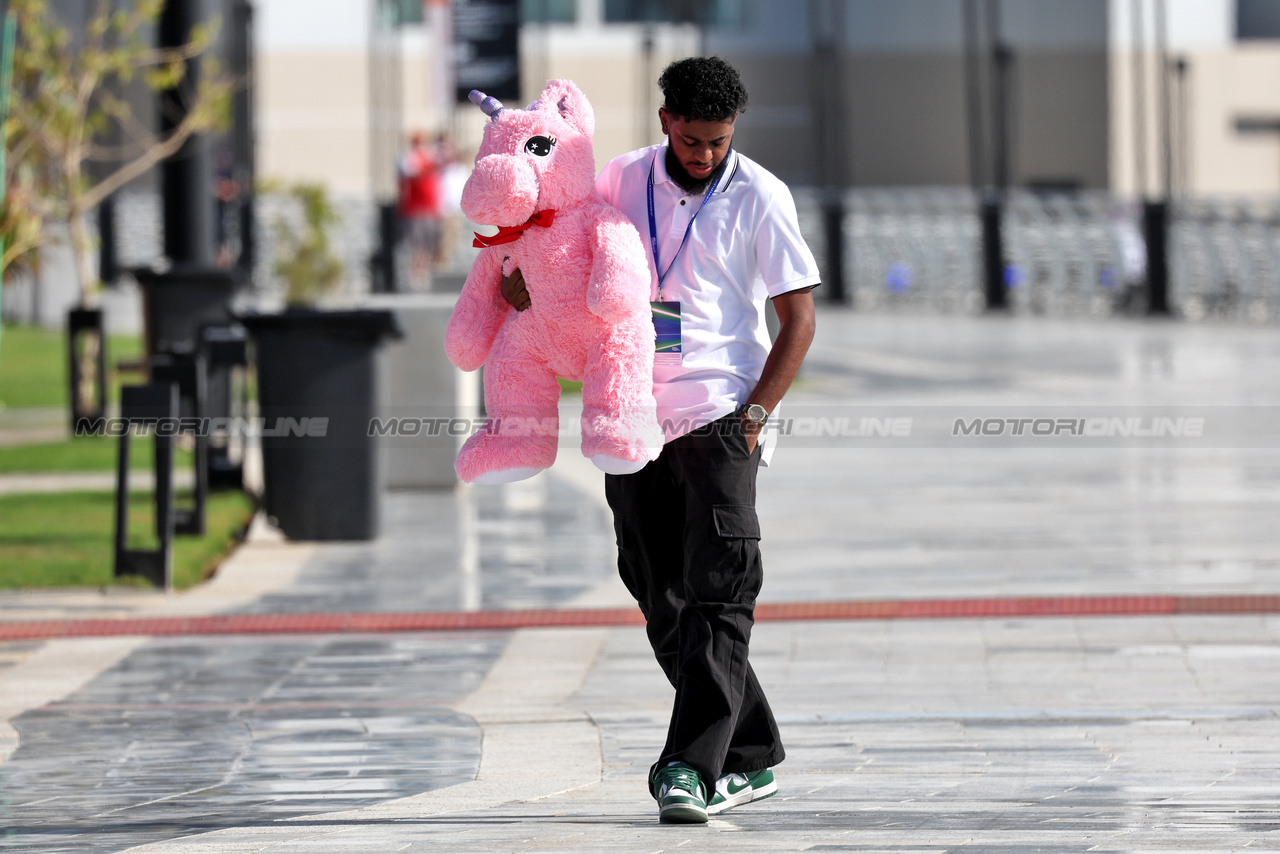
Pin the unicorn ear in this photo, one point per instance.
(566, 98)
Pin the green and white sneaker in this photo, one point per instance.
(734, 790)
(681, 796)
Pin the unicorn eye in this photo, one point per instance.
(540, 146)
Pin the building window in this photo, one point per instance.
(548, 11)
(1257, 19)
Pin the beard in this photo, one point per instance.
(691, 185)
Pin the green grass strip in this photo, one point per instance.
(66, 539)
(33, 370)
(84, 454)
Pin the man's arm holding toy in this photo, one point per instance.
(609, 270)
(478, 314)
(514, 291)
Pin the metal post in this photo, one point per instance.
(226, 355)
(833, 231)
(386, 138)
(146, 405)
(243, 132)
(382, 267)
(188, 175)
(991, 213)
(829, 116)
(993, 283)
(1182, 138)
(975, 120)
(1139, 72)
(187, 373)
(108, 263)
(1155, 214)
(1155, 231)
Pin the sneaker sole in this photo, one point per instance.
(745, 797)
(682, 814)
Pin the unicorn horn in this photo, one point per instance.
(491, 106)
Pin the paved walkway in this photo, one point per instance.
(1064, 733)
(27, 425)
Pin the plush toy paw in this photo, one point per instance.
(463, 353)
(494, 458)
(495, 478)
(617, 451)
(613, 465)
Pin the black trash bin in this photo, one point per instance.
(177, 303)
(318, 389)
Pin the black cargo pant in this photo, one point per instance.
(689, 551)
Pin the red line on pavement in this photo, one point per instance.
(893, 609)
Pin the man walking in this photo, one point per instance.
(723, 238)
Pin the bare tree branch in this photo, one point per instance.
(160, 151)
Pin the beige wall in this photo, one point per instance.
(1223, 84)
(313, 107)
(313, 119)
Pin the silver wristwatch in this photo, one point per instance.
(755, 413)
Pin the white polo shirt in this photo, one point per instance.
(744, 248)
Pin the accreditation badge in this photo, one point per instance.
(666, 325)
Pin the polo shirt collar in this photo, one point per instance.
(660, 174)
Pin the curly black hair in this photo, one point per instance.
(702, 88)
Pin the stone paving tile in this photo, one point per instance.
(1091, 734)
(12, 652)
(531, 544)
(195, 734)
(862, 524)
(191, 735)
(57, 604)
(1052, 734)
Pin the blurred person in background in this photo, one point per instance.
(453, 177)
(419, 205)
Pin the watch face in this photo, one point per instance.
(757, 413)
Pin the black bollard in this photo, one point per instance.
(153, 406)
(186, 371)
(1155, 231)
(833, 230)
(87, 364)
(995, 288)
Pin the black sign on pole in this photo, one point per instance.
(486, 35)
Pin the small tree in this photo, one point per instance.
(304, 259)
(67, 101)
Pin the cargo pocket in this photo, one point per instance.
(736, 521)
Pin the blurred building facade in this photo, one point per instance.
(892, 103)
(888, 77)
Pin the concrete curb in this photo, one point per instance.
(22, 484)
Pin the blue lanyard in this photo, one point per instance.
(653, 225)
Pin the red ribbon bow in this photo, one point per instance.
(511, 233)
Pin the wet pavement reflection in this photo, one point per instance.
(194, 734)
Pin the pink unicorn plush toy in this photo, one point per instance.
(588, 281)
